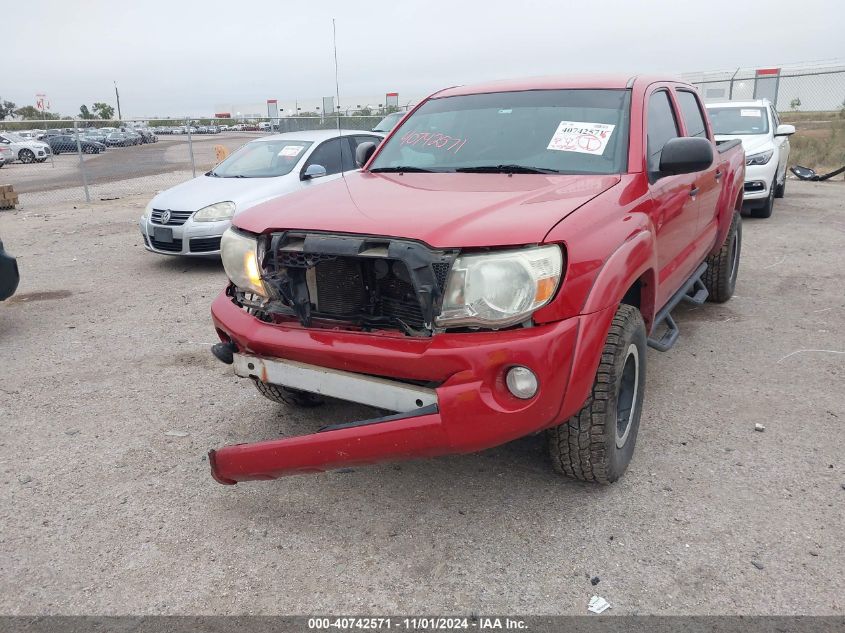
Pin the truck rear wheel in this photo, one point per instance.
(290, 397)
(598, 442)
(723, 267)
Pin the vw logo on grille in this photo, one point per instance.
(165, 216)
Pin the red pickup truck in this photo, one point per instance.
(496, 269)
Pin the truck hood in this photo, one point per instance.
(442, 210)
(202, 191)
(751, 143)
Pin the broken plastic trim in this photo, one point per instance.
(290, 254)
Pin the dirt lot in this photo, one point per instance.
(110, 400)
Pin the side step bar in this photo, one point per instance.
(693, 291)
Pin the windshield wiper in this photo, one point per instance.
(506, 169)
(404, 168)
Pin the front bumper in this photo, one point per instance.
(194, 239)
(471, 408)
(759, 179)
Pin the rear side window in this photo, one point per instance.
(691, 112)
(662, 127)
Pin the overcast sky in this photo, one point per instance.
(172, 57)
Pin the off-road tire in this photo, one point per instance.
(26, 156)
(768, 207)
(587, 446)
(723, 266)
(780, 190)
(290, 397)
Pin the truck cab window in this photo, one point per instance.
(662, 126)
(691, 112)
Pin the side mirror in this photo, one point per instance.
(785, 130)
(314, 171)
(363, 153)
(685, 155)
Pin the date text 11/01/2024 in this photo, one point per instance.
(417, 623)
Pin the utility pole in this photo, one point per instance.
(117, 95)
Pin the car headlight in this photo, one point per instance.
(759, 159)
(147, 211)
(499, 289)
(215, 212)
(240, 261)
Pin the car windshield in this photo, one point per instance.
(15, 138)
(735, 120)
(262, 159)
(535, 131)
(387, 123)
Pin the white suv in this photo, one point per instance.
(766, 143)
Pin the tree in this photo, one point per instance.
(104, 110)
(31, 113)
(7, 108)
(795, 103)
(85, 113)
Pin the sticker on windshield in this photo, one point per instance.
(291, 150)
(578, 136)
(755, 113)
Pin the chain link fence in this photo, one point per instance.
(83, 160)
(811, 98)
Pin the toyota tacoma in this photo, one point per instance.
(496, 269)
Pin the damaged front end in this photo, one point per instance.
(365, 283)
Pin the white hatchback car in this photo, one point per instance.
(766, 143)
(190, 219)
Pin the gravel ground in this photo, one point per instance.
(110, 400)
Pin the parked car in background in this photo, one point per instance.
(94, 134)
(495, 270)
(67, 143)
(118, 139)
(6, 155)
(389, 122)
(9, 274)
(25, 150)
(190, 218)
(766, 143)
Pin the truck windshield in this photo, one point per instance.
(534, 131)
(738, 121)
(262, 159)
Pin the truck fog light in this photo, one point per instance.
(521, 382)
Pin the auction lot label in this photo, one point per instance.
(581, 137)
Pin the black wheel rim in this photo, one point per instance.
(734, 256)
(626, 398)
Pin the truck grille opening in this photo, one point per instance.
(370, 283)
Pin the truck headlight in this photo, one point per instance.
(147, 211)
(501, 288)
(240, 261)
(216, 212)
(760, 158)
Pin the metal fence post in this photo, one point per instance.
(191, 149)
(81, 162)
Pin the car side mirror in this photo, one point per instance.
(314, 171)
(685, 155)
(785, 129)
(363, 153)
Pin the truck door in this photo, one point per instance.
(675, 198)
(709, 182)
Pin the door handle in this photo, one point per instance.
(718, 174)
(693, 192)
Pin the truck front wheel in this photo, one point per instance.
(598, 442)
(290, 397)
